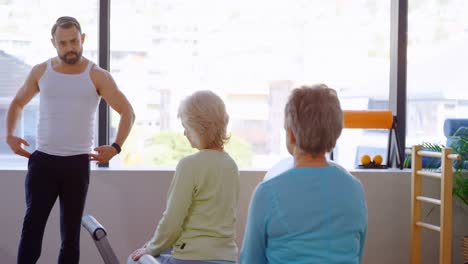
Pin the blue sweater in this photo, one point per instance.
(306, 215)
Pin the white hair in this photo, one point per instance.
(204, 116)
(314, 114)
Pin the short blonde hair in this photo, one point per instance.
(314, 114)
(204, 115)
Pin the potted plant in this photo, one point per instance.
(459, 144)
(427, 162)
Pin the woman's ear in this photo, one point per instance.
(291, 136)
(290, 141)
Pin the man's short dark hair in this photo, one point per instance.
(65, 22)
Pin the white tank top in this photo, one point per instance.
(67, 110)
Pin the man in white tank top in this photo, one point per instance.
(70, 87)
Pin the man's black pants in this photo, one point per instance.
(50, 177)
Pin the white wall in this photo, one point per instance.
(130, 203)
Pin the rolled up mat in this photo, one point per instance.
(368, 119)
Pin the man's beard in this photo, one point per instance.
(71, 60)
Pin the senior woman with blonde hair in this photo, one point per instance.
(314, 212)
(198, 224)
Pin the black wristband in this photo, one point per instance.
(117, 147)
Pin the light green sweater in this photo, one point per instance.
(199, 221)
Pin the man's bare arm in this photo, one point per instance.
(24, 95)
(109, 91)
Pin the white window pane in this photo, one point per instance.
(252, 53)
(437, 67)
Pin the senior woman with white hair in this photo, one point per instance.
(315, 212)
(199, 221)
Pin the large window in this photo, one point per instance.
(25, 41)
(252, 53)
(437, 67)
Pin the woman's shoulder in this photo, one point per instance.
(188, 160)
(339, 170)
(205, 157)
(333, 169)
(201, 155)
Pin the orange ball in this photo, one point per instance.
(377, 159)
(365, 159)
